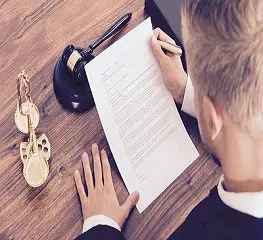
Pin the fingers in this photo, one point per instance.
(80, 188)
(130, 202)
(97, 165)
(158, 47)
(102, 169)
(161, 35)
(157, 50)
(87, 171)
(106, 169)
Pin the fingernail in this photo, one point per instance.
(154, 38)
(84, 154)
(103, 151)
(94, 145)
(76, 172)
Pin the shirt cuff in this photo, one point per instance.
(99, 220)
(188, 102)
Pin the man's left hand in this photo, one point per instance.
(101, 198)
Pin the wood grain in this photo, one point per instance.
(33, 35)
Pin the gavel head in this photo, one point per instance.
(70, 81)
(75, 62)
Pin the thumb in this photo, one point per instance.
(130, 202)
(157, 50)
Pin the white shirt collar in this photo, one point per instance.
(250, 203)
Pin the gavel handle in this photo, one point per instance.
(111, 31)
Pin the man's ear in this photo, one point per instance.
(212, 117)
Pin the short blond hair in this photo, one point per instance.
(224, 51)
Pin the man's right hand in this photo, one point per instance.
(171, 66)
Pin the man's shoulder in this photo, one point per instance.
(213, 208)
(212, 219)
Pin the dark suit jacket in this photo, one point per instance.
(210, 220)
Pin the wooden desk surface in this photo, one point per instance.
(33, 35)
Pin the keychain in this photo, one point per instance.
(22, 109)
(36, 152)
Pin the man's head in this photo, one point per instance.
(223, 40)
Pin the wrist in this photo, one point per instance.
(181, 96)
(180, 92)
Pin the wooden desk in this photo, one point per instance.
(33, 35)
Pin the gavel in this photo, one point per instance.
(70, 82)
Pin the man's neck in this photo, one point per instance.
(242, 160)
(243, 186)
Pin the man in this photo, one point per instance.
(223, 40)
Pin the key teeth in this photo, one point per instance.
(23, 151)
(45, 146)
(45, 149)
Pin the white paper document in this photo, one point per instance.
(146, 135)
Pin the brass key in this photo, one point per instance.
(35, 155)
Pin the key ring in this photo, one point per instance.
(27, 107)
(23, 81)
